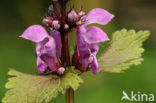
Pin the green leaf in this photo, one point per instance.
(125, 50)
(27, 88)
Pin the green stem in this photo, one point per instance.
(70, 96)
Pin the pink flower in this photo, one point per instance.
(46, 47)
(88, 38)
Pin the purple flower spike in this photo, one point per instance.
(45, 47)
(88, 38)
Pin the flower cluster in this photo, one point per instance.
(88, 39)
(49, 45)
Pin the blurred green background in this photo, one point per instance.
(17, 15)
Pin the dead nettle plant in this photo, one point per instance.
(60, 73)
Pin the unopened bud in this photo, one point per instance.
(81, 13)
(61, 70)
(66, 26)
(54, 12)
(56, 24)
(51, 9)
(79, 23)
(72, 16)
(83, 18)
(47, 21)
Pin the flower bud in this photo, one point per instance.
(79, 23)
(54, 12)
(81, 20)
(81, 13)
(51, 9)
(66, 26)
(56, 24)
(61, 70)
(72, 16)
(47, 21)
